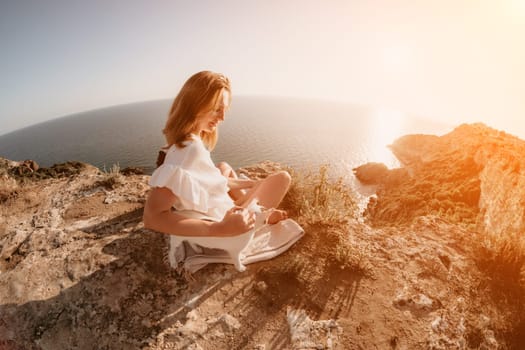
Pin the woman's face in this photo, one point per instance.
(207, 121)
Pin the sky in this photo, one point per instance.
(454, 61)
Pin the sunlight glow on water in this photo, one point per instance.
(386, 127)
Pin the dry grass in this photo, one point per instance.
(328, 204)
(8, 188)
(315, 199)
(111, 178)
(326, 208)
(502, 259)
(8, 185)
(351, 257)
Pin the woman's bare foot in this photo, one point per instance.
(276, 215)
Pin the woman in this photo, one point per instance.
(189, 181)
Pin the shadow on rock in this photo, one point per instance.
(120, 305)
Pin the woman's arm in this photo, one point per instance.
(159, 216)
(240, 184)
(234, 182)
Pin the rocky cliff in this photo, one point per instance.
(79, 271)
(473, 175)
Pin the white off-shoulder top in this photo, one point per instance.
(190, 174)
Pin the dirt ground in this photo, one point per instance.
(79, 271)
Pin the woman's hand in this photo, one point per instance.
(236, 221)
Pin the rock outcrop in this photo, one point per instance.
(473, 175)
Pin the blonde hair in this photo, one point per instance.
(199, 94)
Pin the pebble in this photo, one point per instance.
(261, 286)
(422, 302)
(307, 333)
(439, 324)
(230, 322)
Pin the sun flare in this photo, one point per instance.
(519, 6)
(386, 127)
(396, 58)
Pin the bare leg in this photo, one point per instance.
(228, 172)
(269, 193)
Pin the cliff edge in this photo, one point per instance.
(79, 271)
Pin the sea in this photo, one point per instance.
(300, 133)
